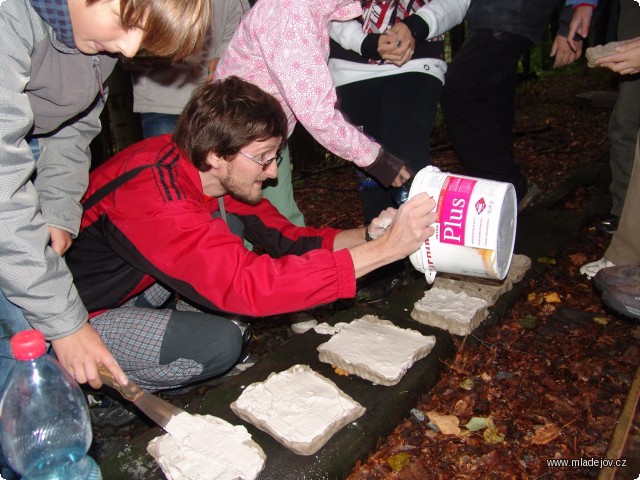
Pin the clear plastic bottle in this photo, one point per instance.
(44, 420)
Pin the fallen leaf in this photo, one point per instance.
(552, 297)
(398, 461)
(578, 259)
(547, 260)
(534, 299)
(447, 424)
(477, 423)
(460, 407)
(339, 371)
(467, 384)
(491, 434)
(545, 434)
(528, 322)
(601, 320)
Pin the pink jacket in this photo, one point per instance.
(283, 47)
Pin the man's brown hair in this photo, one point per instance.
(173, 29)
(224, 116)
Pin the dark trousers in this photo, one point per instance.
(478, 103)
(398, 112)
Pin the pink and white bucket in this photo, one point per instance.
(476, 226)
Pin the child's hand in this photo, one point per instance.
(60, 240)
(563, 53)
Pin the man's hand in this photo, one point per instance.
(60, 241)
(397, 45)
(411, 225)
(379, 225)
(563, 53)
(626, 60)
(580, 23)
(80, 352)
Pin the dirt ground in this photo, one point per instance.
(548, 380)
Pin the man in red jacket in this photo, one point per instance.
(169, 214)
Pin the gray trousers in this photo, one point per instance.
(625, 118)
(624, 248)
(161, 348)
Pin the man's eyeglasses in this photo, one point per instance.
(263, 163)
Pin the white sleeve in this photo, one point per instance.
(442, 15)
(348, 34)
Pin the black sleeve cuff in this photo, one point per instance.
(369, 47)
(563, 22)
(418, 27)
(385, 168)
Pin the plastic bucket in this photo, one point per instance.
(475, 229)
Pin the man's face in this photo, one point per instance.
(245, 176)
(97, 28)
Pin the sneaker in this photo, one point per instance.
(107, 412)
(614, 276)
(591, 269)
(624, 299)
(608, 225)
(533, 192)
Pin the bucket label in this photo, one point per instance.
(453, 203)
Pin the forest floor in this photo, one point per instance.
(545, 382)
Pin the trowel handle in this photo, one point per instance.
(130, 391)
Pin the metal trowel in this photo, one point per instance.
(158, 410)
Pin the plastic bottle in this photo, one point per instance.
(44, 419)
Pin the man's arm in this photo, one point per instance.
(407, 229)
(580, 23)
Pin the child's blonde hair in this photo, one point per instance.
(173, 28)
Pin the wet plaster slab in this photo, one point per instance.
(386, 406)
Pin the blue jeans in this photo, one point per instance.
(154, 124)
(12, 321)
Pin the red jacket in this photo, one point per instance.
(147, 220)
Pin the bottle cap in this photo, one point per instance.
(28, 344)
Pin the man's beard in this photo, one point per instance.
(232, 187)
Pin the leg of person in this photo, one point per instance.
(625, 118)
(620, 285)
(359, 102)
(154, 124)
(623, 129)
(408, 108)
(12, 321)
(280, 192)
(624, 248)
(477, 103)
(163, 349)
